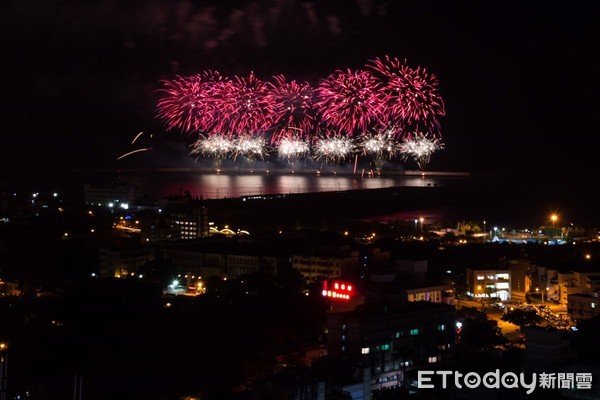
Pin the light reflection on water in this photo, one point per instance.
(210, 186)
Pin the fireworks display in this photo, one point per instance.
(379, 145)
(369, 110)
(349, 102)
(420, 147)
(188, 103)
(245, 107)
(334, 149)
(251, 147)
(411, 94)
(215, 146)
(292, 106)
(292, 148)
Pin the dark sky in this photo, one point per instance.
(519, 78)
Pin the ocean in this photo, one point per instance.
(522, 200)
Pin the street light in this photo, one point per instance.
(553, 217)
(3, 369)
(537, 290)
(421, 220)
(416, 222)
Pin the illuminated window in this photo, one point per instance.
(343, 348)
(432, 360)
(365, 350)
(480, 277)
(414, 332)
(594, 305)
(385, 347)
(343, 338)
(398, 334)
(441, 327)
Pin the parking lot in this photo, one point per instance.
(554, 315)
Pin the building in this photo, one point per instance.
(388, 340)
(519, 269)
(583, 305)
(547, 349)
(290, 384)
(120, 262)
(225, 256)
(398, 288)
(117, 194)
(10, 288)
(191, 225)
(320, 263)
(495, 283)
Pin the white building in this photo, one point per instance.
(494, 283)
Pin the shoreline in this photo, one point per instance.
(261, 171)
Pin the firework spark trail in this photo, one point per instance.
(292, 107)
(244, 106)
(348, 101)
(137, 136)
(133, 152)
(410, 94)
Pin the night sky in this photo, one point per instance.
(519, 78)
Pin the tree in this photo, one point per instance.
(522, 317)
(478, 333)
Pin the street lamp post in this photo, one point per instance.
(3, 369)
(553, 217)
(421, 220)
(416, 222)
(538, 290)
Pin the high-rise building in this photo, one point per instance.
(387, 341)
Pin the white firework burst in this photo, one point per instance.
(420, 147)
(215, 146)
(334, 149)
(251, 147)
(292, 148)
(379, 145)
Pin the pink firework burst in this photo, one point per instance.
(187, 102)
(292, 107)
(411, 94)
(348, 101)
(244, 107)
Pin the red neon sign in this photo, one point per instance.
(337, 290)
